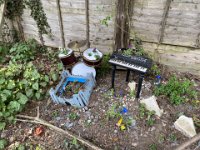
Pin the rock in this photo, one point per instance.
(68, 124)
(152, 129)
(115, 131)
(134, 144)
(132, 85)
(152, 105)
(3, 134)
(186, 126)
(11, 139)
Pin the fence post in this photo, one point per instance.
(62, 36)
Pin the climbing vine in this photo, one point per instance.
(15, 8)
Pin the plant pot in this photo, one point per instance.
(68, 59)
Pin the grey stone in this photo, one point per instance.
(186, 126)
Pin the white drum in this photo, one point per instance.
(82, 69)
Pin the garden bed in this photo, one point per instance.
(93, 123)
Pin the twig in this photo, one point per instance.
(37, 120)
(189, 142)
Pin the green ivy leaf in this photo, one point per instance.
(60, 66)
(35, 86)
(2, 125)
(46, 78)
(54, 76)
(3, 144)
(15, 105)
(29, 93)
(10, 118)
(2, 81)
(37, 95)
(7, 92)
(23, 99)
(11, 85)
(3, 97)
(21, 147)
(43, 84)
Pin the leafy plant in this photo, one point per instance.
(112, 112)
(105, 20)
(177, 91)
(18, 84)
(63, 51)
(161, 138)
(155, 70)
(104, 68)
(153, 147)
(73, 145)
(73, 116)
(172, 137)
(24, 51)
(144, 113)
(97, 57)
(3, 144)
(15, 9)
(4, 49)
(89, 54)
(128, 52)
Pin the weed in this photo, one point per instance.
(172, 137)
(104, 68)
(63, 51)
(55, 113)
(155, 70)
(105, 20)
(112, 112)
(153, 147)
(73, 116)
(109, 94)
(177, 91)
(87, 123)
(132, 93)
(144, 113)
(161, 138)
(128, 52)
(73, 145)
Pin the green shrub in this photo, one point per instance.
(177, 91)
(24, 51)
(4, 49)
(105, 66)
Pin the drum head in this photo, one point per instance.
(92, 55)
(81, 69)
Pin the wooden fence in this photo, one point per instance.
(169, 29)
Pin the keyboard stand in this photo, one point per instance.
(141, 77)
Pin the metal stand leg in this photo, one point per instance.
(139, 85)
(113, 75)
(127, 75)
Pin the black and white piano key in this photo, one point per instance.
(127, 65)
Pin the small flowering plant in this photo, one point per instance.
(63, 51)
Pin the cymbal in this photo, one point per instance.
(77, 44)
